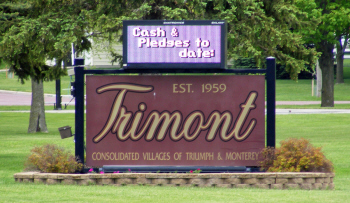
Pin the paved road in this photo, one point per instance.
(12, 98)
(311, 111)
(307, 102)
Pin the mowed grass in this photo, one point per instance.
(301, 90)
(289, 90)
(27, 108)
(286, 90)
(328, 130)
(310, 106)
(14, 84)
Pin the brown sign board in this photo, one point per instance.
(175, 120)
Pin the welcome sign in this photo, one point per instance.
(175, 120)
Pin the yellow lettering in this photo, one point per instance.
(128, 126)
(182, 87)
(242, 156)
(216, 120)
(124, 88)
(188, 124)
(175, 88)
(165, 119)
(245, 109)
(199, 156)
(188, 88)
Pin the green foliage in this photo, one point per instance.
(244, 63)
(256, 29)
(268, 28)
(333, 21)
(333, 17)
(196, 171)
(52, 159)
(269, 156)
(3, 65)
(281, 72)
(32, 32)
(295, 155)
(40, 29)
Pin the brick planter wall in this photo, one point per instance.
(306, 181)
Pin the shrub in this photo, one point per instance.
(52, 159)
(269, 157)
(295, 155)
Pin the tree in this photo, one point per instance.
(32, 32)
(42, 29)
(255, 28)
(341, 45)
(341, 14)
(334, 22)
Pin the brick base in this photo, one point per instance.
(307, 181)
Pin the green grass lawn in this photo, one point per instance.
(311, 106)
(286, 90)
(328, 130)
(289, 90)
(27, 108)
(14, 84)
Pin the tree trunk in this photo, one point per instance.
(37, 122)
(327, 68)
(340, 61)
(319, 80)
